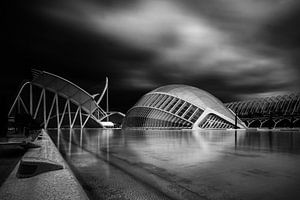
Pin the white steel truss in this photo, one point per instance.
(51, 103)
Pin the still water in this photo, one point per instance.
(115, 164)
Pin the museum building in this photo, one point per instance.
(180, 107)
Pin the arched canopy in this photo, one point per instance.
(281, 105)
(66, 89)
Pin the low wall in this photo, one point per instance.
(42, 174)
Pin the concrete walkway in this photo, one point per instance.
(48, 176)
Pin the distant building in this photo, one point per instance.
(281, 111)
(180, 107)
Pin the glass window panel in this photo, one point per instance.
(157, 102)
(166, 102)
(162, 115)
(148, 112)
(177, 106)
(146, 100)
(150, 115)
(187, 109)
(173, 102)
(162, 100)
(196, 115)
(153, 100)
(161, 123)
(147, 122)
(149, 100)
(180, 123)
(165, 124)
(180, 107)
(144, 112)
(172, 118)
(214, 121)
(157, 115)
(157, 98)
(155, 118)
(190, 112)
(183, 108)
(168, 117)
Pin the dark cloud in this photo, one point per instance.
(283, 34)
(233, 49)
(284, 31)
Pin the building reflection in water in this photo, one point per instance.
(178, 147)
(193, 143)
(197, 159)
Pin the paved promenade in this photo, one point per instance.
(48, 176)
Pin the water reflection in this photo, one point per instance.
(199, 160)
(173, 148)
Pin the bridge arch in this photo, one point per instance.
(283, 123)
(268, 124)
(296, 123)
(254, 124)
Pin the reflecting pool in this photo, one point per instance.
(115, 164)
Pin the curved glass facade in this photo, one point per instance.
(214, 121)
(159, 110)
(152, 118)
(179, 107)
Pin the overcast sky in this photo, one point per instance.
(234, 49)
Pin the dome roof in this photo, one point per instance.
(198, 97)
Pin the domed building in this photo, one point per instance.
(180, 107)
